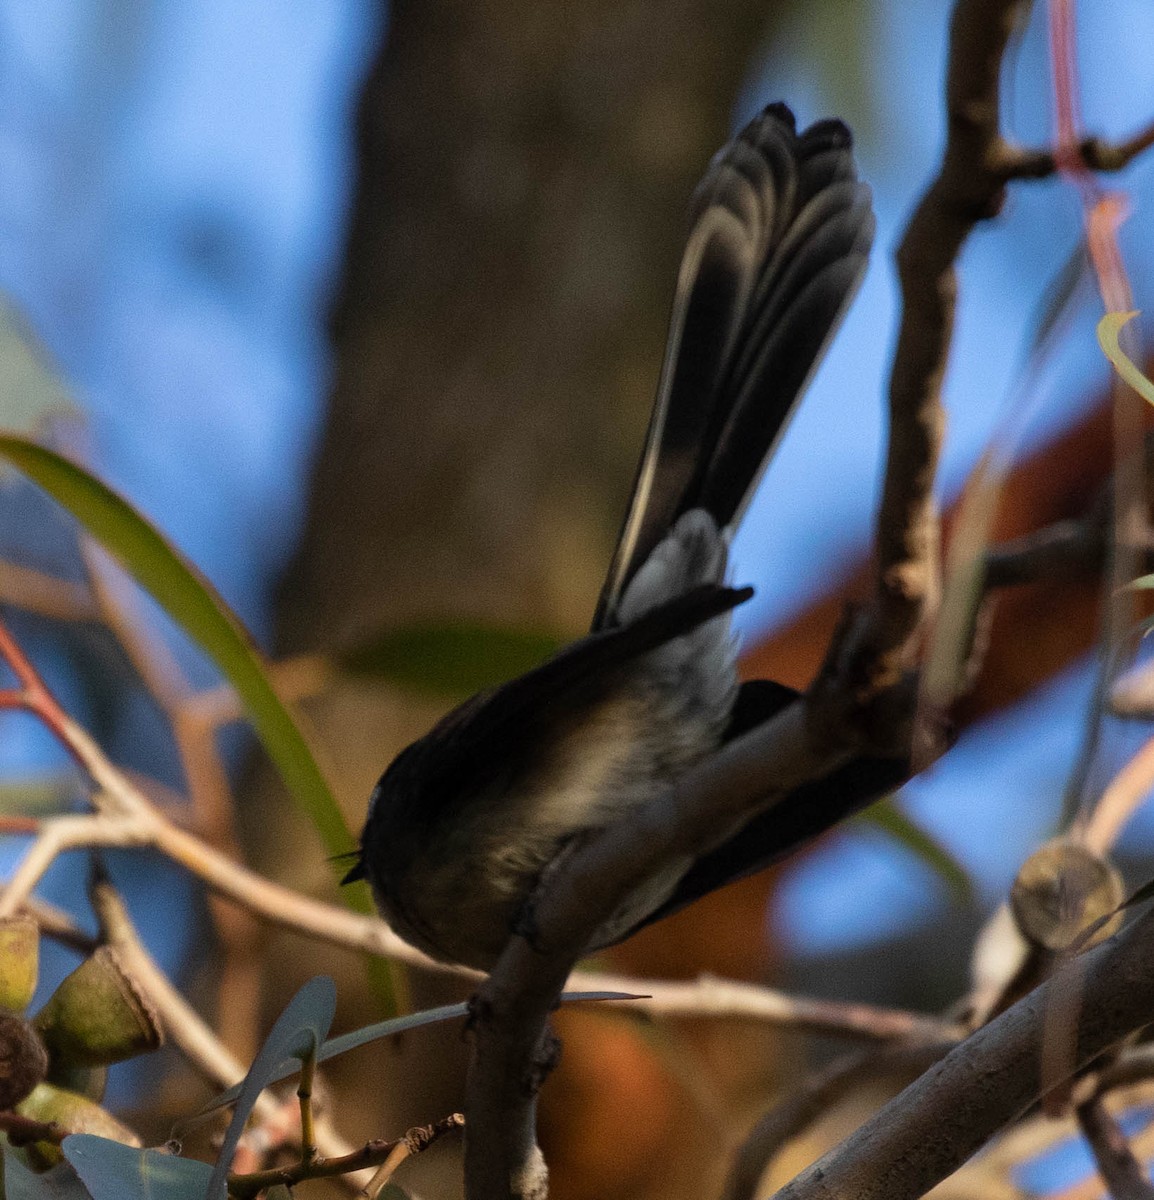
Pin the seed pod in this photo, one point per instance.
(23, 1060)
(77, 1114)
(19, 962)
(1061, 889)
(97, 1016)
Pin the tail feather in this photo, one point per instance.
(781, 229)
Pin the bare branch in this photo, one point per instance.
(1096, 153)
(992, 1077)
(969, 188)
(1133, 1065)
(1066, 550)
(370, 1155)
(46, 595)
(709, 996)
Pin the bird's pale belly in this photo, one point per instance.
(485, 866)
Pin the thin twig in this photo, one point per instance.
(1133, 1065)
(708, 996)
(1120, 1170)
(808, 1103)
(212, 808)
(372, 1154)
(55, 923)
(1065, 551)
(45, 595)
(1121, 799)
(1098, 154)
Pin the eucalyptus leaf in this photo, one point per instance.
(362, 1037)
(21, 1183)
(298, 1033)
(452, 659)
(193, 603)
(113, 1171)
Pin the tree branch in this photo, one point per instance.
(585, 887)
(969, 188)
(1096, 153)
(990, 1079)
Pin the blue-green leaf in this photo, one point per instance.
(298, 1034)
(113, 1171)
(371, 1033)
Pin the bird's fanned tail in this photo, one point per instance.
(780, 235)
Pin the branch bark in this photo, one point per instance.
(992, 1078)
(970, 187)
(512, 1049)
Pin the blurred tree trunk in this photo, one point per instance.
(523, 171)
(523, 174)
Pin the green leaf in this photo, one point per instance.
(38, 795)
(195, 606)
(453, 659)
(1109, 333)
(890, 819)
(1143, 583)
(113, 1171)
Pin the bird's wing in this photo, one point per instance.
(496, 734)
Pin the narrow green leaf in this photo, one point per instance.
(1109, 332)
(890, 819)
(453, 659)
(195, 606)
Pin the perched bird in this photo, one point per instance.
(464, 821)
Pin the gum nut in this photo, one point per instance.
(98, 1016)
(1061, 889)
(19, 962)
(74, 1113)
(23, 1060)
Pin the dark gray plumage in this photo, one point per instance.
(464, 821)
